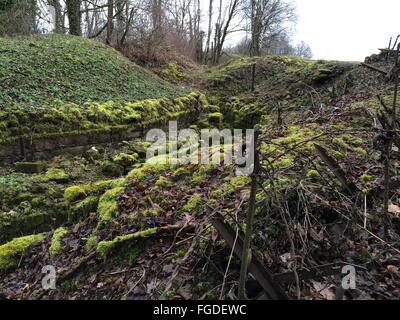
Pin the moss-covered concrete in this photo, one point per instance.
(11, 252)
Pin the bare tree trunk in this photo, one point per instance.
(129, 17)
(110, 25)
(156, 37)
(58, 19)
(87, 19)
(33, 15)
(210, 14)
(74, 16)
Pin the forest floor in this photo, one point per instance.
(115, 226)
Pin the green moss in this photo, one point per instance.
(58, 235)
(321, 74)
(11, 252)
(74, 193)
(215, 118)
(138, 173)
(297, 135)
(194, 204)
(179, 253)
(156, 165)
(229, 187)
(163, 182)
(350, 143)
(105, 247)
(224, 189)
(104, 185)
(25, 196)
(96, 117)
(240, 181)
(353, 140)
(313, 174)
(108, 206)
(55, 174)
(36, 202)
(180, 173)
(366, 178)
(200, 175)
(284, 163)
(172, 72)
(198, 179)
(170, 294)
(150, 212)
(125, 160)
(91, 243)
(85, 206)
(206, 288)
(203, 100)
(337, 155)
(26, 207)
(360, 151)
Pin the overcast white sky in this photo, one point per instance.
(347, 29)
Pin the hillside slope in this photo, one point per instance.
(42, 70)
(290, 80)
(143, 229)
(57, 85)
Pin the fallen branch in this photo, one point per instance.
(246, 253)
(350, 187)
(255, 267)
(313, 273)
(373, 68)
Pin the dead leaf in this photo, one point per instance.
(169, 268)
(317, 236)
(394, 209)
(392, 269)
(324, 290)
(286, 257)
(150, 287)
(185, 292)
(214, 235)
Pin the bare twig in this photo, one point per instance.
(246, 254)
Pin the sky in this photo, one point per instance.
(347, 30)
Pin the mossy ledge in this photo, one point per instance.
(43, 129)
(13, 224)
(11, 252)
(105, 247)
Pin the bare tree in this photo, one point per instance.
(210, 14)
(223, 27)
(268, 19)
(303, 50)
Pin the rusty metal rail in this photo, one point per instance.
(264, 277)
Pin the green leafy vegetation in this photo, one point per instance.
(51, 70)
